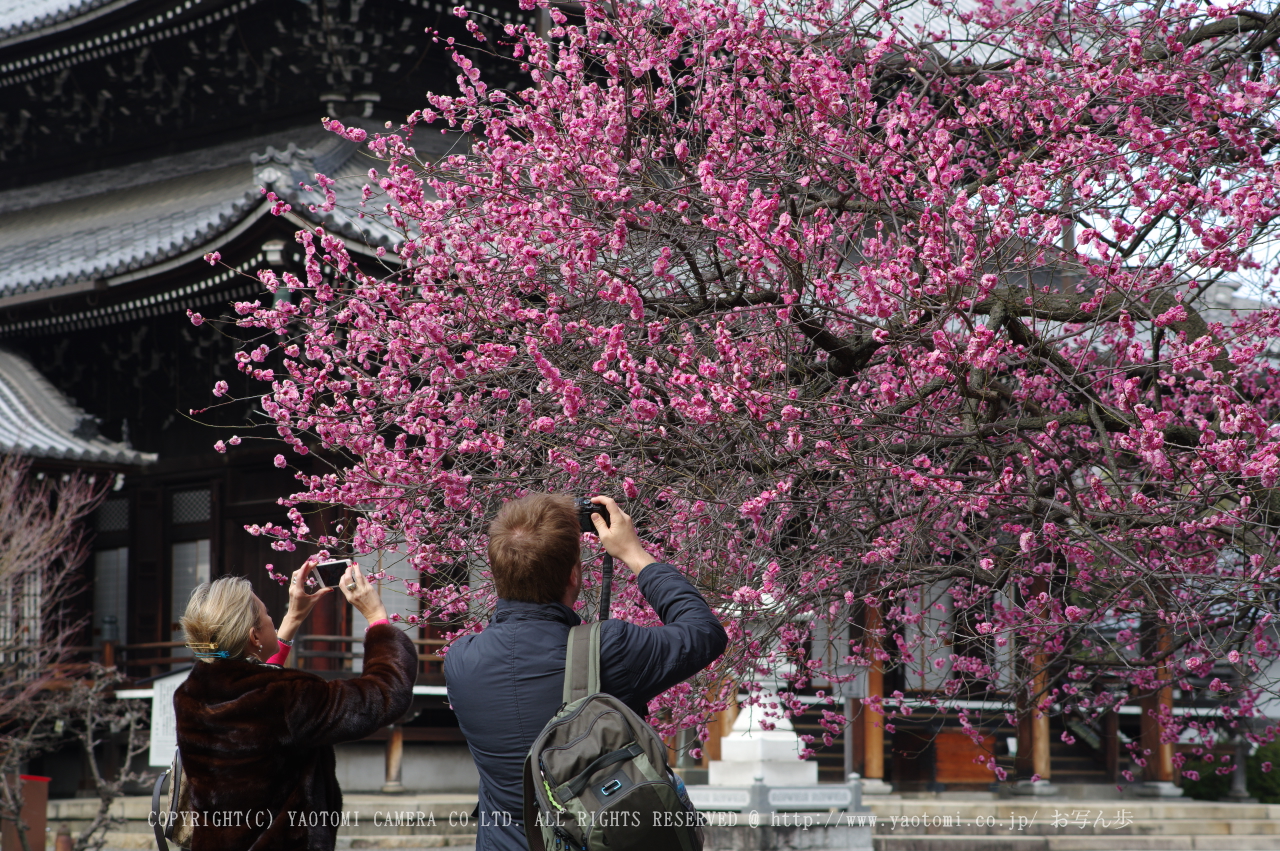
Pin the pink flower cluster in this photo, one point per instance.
(855, 314)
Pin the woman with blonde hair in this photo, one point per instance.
(256, 739)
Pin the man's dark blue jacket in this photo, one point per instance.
(506, 682)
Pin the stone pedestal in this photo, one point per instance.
(750, 754)
(875, 786)
(1156, 789)
(1034, 788)
(1239, 793)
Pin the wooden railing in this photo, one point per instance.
(150, 655)
(132, 657)
(301, 651)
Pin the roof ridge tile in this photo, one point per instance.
(40, 21)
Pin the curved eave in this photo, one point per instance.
(60, 21)
(109, 454)
(37, 421)
(190, 254)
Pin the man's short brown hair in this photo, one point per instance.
(534, 542)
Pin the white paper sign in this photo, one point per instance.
(164, 726)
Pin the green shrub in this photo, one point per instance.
(1265, 786)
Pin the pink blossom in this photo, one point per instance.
(1177, 313)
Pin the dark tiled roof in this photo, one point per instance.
(96, 226)
(120, 231)
(39, 422)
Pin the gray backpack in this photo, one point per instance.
(596, 777)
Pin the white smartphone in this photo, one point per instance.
(327, 573)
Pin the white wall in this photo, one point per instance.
(427, 767)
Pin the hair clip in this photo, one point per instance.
(207, 651)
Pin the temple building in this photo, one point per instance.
(137, 136)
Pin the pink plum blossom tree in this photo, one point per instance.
(858, 307)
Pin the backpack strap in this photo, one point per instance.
(582, 662)
(158, 820)
(532, 831)
(176, 804)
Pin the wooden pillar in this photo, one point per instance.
(873, 722)
(1033, 739)
(1033, 724)
(1023, 762)
(855, 735)
(721, 724)
(1111, 745)
(148, 585)
(711, 748)
(848, 740)
(394, 759)
(1040, 762)
(1159, 754)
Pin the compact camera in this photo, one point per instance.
(327, 573)
(585, 509)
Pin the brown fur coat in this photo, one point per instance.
(257, 743)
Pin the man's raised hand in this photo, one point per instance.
(618, 536)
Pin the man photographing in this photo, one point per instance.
(506, 682)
